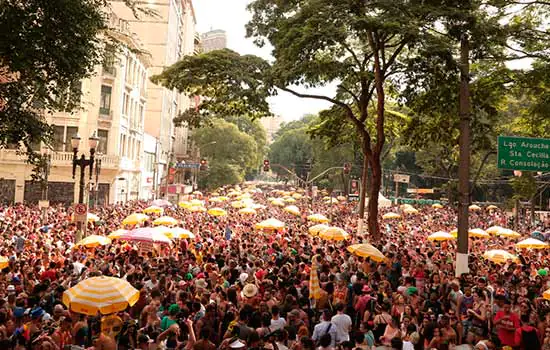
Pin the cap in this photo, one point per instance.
(11, 288)
(18, 312)
(37, 312)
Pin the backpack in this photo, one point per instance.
(529, 339)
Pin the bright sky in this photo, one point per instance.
(231, 16)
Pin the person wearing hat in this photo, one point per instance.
(249, 294)
(171, 318)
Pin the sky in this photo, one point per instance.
(232, 16)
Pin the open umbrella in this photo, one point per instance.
(238, 204)
(178, 232)
(247, 211)
(315, 229)
(531, 243)
(292, 209)
(161, 203)
(197, 209)
(93, 241)
(478, 233)
(474, 207)
(153, 210)
(318, 218)
(391, 216)
(494, 229)
(410, 211)
(505, 232)
(366, 250)
(437, 206)
(278, 203)
(116, 234)
(4, 262)
(546, 294)
(196, 203)
(297, 196)
(215, 200)
(217, 212)
(440, 236)
(184, 204)
(145, 234)
(334, 234)
(491, 207)
(166, 221)
(134, 219)
(270, 224)
(105, 295)
(500, 256)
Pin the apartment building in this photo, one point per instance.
(169, 35)
(113, 105)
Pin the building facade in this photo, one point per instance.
(213, 40)
(112, 107)
(168, 36)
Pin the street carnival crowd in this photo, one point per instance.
(227, 283)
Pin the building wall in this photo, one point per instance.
(113, 103)
(213, 40)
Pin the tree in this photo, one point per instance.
(46, 48)
(354, 44)
(229, 151)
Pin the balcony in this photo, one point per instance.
(105, 113)
(10, 156)
(109, 70)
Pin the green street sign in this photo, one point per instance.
(523, 153)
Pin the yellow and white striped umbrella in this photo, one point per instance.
(238, 204)
(546, 294)
(491, 207)
(215, 200)
(153, 210)
(532, 243)
(391, 216)
(223, 198)
(474, 207)
(440, 236)
(197, 209)
(334, 234)
(494, 229)
(90, 217)
(105, 295)
(314, 230)
(116, 234)
(247, 211)
(500, 256)
(184, 204)
(437, 206)
(217, 212)
(93, 241)
(278, 203)
(181, 233)
(270, 224)
(314, 287)
(297, 196)
(318, 218)
(505, 232)
(166, 221)
(4, 262)
(410, 211)
(197, 203)
(134, 219)
(292, 209)
(472, 233)
(366, 250)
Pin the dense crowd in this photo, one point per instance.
(234, 287)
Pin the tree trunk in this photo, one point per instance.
(363, 192)
(374, 190)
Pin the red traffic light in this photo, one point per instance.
(266, 162)
(347, 168)
(266, 165)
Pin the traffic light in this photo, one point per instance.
(203, 165)
(266, 165)
(347, 168)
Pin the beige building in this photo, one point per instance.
(271, 126)
(213, 40)
(168, 36)
(113, 105)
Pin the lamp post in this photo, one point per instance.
(45, 172)
(82, 162)
(96, 185)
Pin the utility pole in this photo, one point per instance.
(464, 158)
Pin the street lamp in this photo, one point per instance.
(82, 162)
(45, 164)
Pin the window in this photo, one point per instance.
(105, 101)
(123, 145)
(148, 161)
(58, 138)
(70, 132)
(103, 136)
(125, 105)
(109, 61)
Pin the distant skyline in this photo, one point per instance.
(232, 17)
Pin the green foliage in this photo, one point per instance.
(525, 186)
(225, 146)
(230, 84)
(221, 173)
(46, 48)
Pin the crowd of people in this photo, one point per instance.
(235, 287)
